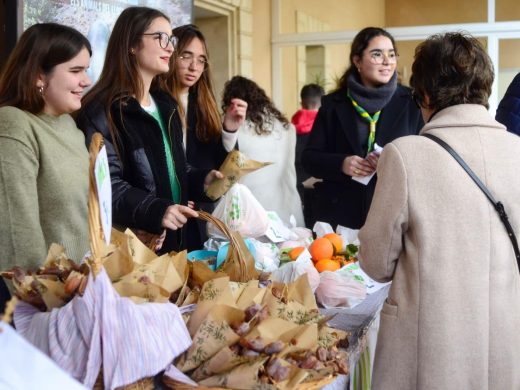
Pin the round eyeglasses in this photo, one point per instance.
(164, 39)
(377, 57)
(188, 59)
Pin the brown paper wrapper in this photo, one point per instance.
(244, 376)
(293, 302)
(213, 292)
(233, 168)
(213, 334)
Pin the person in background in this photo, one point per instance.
(43, 161)
(508, 111)
(267, 136)
(139, 121)
(450, 320)
(368, 108)
(303, 120)
(206, 138)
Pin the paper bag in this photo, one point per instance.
(213, 334)
(233, 168)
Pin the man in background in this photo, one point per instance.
(303, 120)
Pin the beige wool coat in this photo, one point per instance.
(452, 317)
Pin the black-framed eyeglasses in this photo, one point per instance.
(189, 59)
(416, 99)
(164, 39)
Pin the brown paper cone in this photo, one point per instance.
(213, 334)
(244, 376)
(233, 168)
(213, 292)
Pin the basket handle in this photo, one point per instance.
(94, 218)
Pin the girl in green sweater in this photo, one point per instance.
(43, 160)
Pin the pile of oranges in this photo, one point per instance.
(325, 252)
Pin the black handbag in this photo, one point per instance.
(499, 207)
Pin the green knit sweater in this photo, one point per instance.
(43, 187)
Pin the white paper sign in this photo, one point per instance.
(104, 191)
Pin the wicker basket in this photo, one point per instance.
(239, 263)
(97, 245)
(314, 385)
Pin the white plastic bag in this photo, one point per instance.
(241, 212)
(266, 256)
(340, 289)
(291, 271)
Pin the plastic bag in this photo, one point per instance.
(266, 256)
(241, 212)
(293, 270)
(340, 289)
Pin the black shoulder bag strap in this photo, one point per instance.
(499, 207)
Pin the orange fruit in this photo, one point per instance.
(321, 248)
(327, 265)
(295, 252)
(335, 240)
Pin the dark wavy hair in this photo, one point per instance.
(260, 109)
(209, 123)
(40, 48)
(452, 68)
(358, 46)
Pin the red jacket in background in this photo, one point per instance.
(303, 120)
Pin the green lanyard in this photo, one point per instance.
(170, 163)
(372, 120)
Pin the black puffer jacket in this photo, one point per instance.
(141, 190)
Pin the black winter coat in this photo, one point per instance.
(141, 190)
(339, 199)
(202, 155)
(508, 111)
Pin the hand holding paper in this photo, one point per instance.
(233, 168)
(372, 158)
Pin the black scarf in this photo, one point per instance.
(371, 99)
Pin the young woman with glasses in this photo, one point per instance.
(142, 129)
(207, 137)
(368, 108)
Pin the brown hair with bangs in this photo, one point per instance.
(450, 69)
(120, 78)
(40, 48)
(209, 122)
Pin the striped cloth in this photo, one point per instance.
(132, 341)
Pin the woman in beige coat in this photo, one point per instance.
(452, 317)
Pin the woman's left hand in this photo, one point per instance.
(211, 177)
(235, 115)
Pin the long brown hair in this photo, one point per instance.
(209, 122)
(40, 48)
(260, 109)
(120, 78)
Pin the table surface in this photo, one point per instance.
(356, 320)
